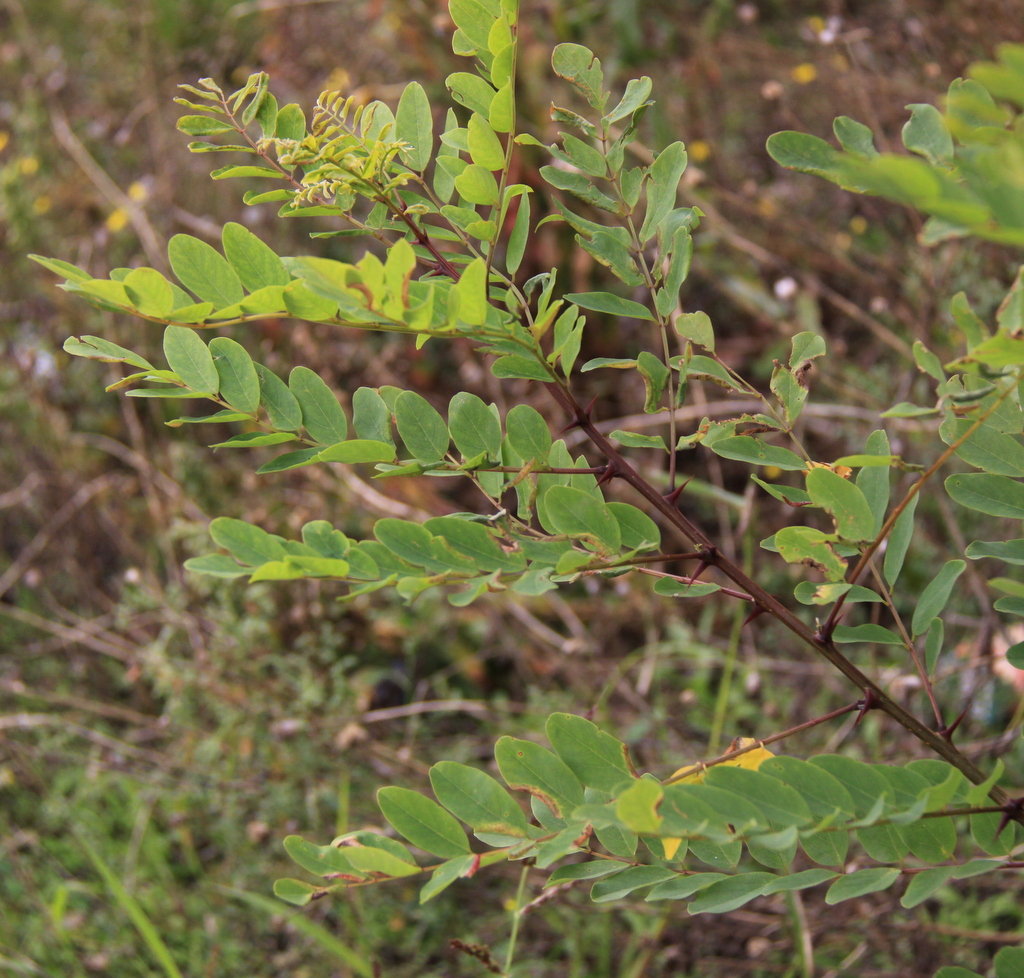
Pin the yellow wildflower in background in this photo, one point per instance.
(698, 150)
(5, 138)
(28, 165)
(117, 220)
(137, 191)
(41, 204)
(804, 74)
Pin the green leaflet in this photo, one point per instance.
(844, 502)
(474, 427)
(423, 822)
(597, 759)
(204, 270)
(322, 415)
(860, 883)
(577, 513)
(935, 595)
(421, 427)
(278, 401)
(995, 495)
(190, 358)
(414, 125)
(239, 382)
(528, 767)
(256, 265)
(478, 800)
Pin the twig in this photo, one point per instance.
(427, 706)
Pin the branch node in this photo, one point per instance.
(870, 702)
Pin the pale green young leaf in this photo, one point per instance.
(149, 292)
(472, 292)
(414, 124)
(65, 269)
(444, 180)
(204, 270)
(322, 415)
(472, 91)
(421, 427)
(485, 148)
(477, 184)
(203, 125)
(235, 172)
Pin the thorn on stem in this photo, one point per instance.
(947, 732)
(673, 497)
(755, 612)
(870, 702)
(1013, 809)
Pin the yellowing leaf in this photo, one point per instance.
(752, 760)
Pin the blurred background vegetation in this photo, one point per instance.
(181, 728)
